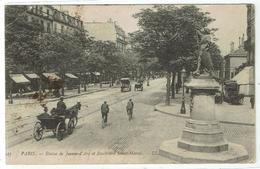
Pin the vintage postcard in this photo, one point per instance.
(130, 84)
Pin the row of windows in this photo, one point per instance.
(56, 15)
(48, 26)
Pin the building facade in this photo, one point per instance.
(53, 20)
(234, 59)
(107, 31)
(250, 42)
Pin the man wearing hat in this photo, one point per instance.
(104, 112)
(129, 109)
(61, 106)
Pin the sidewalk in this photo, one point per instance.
(68, 94)
(225, 113)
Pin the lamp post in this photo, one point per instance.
(183, 110)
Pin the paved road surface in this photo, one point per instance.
(121, 141)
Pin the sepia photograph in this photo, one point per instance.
(130, 84)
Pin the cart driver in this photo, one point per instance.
(61, 110)
(61, 106)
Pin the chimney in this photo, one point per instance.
(232, 47)
(110, 20)
(242, 41)
(239, 44)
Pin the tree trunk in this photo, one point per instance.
(62, 89)
(168, 88)
(79, 84)
(179, 82)
(188, 76)
(40, 88)
(85, 83)
(173, 85)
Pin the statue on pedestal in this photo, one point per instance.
(205, 64)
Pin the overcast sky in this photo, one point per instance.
(230, 19)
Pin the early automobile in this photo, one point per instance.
(139, 85)
(231, 93)
(59, 124)
(125, 84)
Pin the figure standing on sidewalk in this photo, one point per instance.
(129, 109)
(104, 113)
(252, 101)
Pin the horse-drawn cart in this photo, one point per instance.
(58, 123)
(139, 85)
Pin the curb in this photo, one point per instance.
(187, 117)
(66, 97)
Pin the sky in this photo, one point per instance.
(230, 19)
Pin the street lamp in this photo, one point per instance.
(183, 110)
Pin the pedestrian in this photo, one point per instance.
(252, 101)
(104, 113)
(129, 109)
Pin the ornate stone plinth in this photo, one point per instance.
(202, 136)
(202, 139)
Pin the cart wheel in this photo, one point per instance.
(38, 131)
(60, 131)
(70, 127)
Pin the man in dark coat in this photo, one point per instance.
(129, 109)
(104, 112)
(61, 106)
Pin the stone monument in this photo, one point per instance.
(202, 139)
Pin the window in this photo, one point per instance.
(48, 13)
(42, 24)
(64, 18)
(40, 10)
(62, 29)
(55, 27)
(48, 27)
(27, 18)
(232, 74)
(32, 8)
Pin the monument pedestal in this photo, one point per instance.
(202, 139)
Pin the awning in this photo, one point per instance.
(96, 73)
(246, 76)
(32, 76)
(69, 75)
(51, 76)
(246, 81)
(19, 78)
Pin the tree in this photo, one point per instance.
(170, 34)
(21, 40)
(63, 53)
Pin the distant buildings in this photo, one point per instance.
(246, 75)
(53, 20)
(234, 59)
(107, 31)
